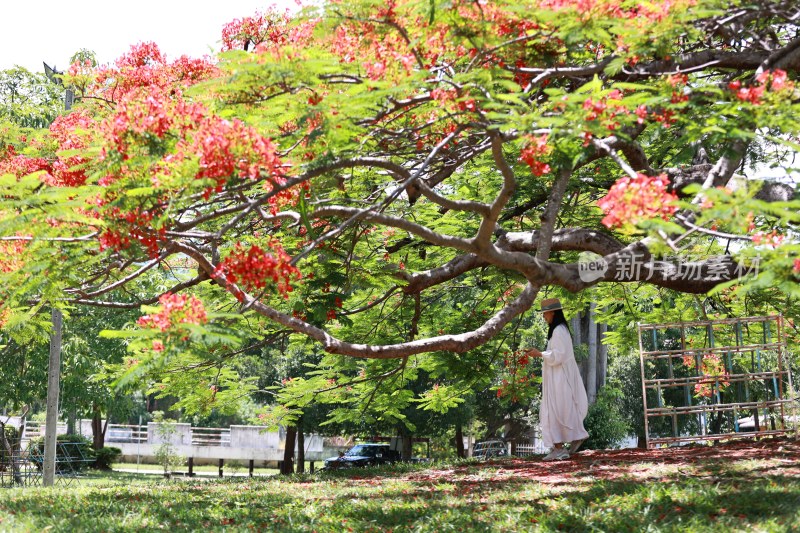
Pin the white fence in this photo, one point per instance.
(234, 442)
(531, 449)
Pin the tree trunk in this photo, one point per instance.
(577, 341)
(576, 329)
(301, 447)
(287, 466)
(460, 452)
(602, 353)
(98, 428)
(408, 448)
(591, 374)
(71, 418)
(407, 445)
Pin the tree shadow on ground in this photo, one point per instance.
(712, 488)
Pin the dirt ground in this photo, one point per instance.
(632, 463)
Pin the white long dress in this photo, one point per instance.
(564, 403)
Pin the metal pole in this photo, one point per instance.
(53, 376)
(51, 420)
(138, 442)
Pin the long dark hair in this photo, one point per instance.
(558, 319)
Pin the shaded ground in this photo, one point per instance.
(782, 454)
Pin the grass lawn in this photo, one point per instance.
(744, 486)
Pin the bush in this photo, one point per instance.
(12, 437)
(605, 422)
(73, 453)
(105, 457)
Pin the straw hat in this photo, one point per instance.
(551, 304)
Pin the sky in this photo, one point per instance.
(50, 31)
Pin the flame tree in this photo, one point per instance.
(400, 178)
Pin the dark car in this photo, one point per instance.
(364, 455)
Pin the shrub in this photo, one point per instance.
(73, 453)
(12, 437)
(105, 457)
(605, 422)
(165, 454)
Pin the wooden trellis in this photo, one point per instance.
(715, 379)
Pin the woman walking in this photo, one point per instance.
(564, 403)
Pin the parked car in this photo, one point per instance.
(489, 449)
(367, 454)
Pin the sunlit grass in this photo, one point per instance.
(714, 495)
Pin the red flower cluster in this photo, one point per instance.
(651, 11)
(252, 31)
(68, 131)
(229, 148)
(254, 268)
(384, 53)
(21, 165)
(713, 371)
(606, 109)
(11, 255)
(175, 309)
(536, 149)
(149, 113)
(142, 67)
(4, 314)
(141, 55)
(630, 201)
(266, 31)
(224, 149)
(772, 239)
(137, 227)
(517, 384)
(776, 80)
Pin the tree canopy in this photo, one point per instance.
(406, 177)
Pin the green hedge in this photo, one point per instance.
(105, 457)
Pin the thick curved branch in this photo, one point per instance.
(453, 205)
(601, 145)
(550, 214)
(363, 213)
(453, 343)
(564, 239)
(419, 281)
(486, 230)
(83, 238)
(203, 276)
(108, 288)
(723, 171)
(372, 304)
(419, 230)
(634, 264)
(697, 61)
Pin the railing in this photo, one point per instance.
(36, 429)
(531, 449)
(126, 433)
(211, 436)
